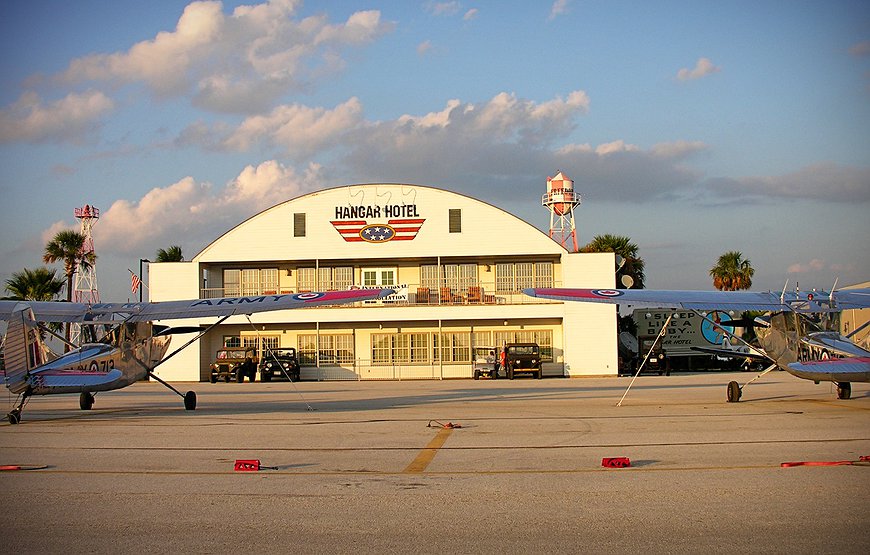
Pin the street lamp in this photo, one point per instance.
(142, 277)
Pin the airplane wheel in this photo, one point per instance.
(844, 390)
(14, 416)
(190, 400)
(734, 392)
(86, 400)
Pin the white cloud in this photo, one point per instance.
(298, 129)
(443, 8)
(424, 47)
(614, 147)
(70, 119)
(702, 68)
(813, 265)
(560, 7)
(195, 211)
(470, 14)
(238, 63)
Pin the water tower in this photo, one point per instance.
(560, 200)
(85, 290)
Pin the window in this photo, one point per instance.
(379, 276)
(455, 347)
(299, 224)
(250, 281)
(232, 341)
(326, 278)
(456, 276)
(334, 349)
(232, 283)
(516, 276)
(261, 342)
(455, 220)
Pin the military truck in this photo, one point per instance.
(522, 358)
(234, 364)
(279, 364)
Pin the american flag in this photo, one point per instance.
(134, 282)
(394, 230)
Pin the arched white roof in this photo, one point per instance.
(418, 218)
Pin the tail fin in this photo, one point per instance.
(23, 349)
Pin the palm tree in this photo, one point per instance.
(732, 272)
(172, 254)
(40, 284)
(68, 246)
(633, 265)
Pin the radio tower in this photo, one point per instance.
(560, 200)
(85, 290)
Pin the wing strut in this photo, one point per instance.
(661, 334)
(190, 396)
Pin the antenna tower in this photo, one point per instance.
(85, 290)
(560, 199)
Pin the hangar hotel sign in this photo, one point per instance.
(377, 223)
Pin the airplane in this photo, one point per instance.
(132, 347)
(795, 335)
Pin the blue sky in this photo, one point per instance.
(692, 127)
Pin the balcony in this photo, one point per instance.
(410, 294)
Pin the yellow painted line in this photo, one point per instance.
(425, 457)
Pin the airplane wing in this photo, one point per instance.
(711, 300)
(195, 308)
(855, 369)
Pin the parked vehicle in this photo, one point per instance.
(522, 358)
(234, 364)
(485, 363)
(279, 364)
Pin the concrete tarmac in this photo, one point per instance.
(368, 467)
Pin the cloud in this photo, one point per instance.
(443, 8)
(813, 265)
(703, 68)
(299, 130)
(194, 210)
(68, 120)
(424, 47)
(824, 181)
(560, 7)
(484, 148)
(860, 49)
(470, 14)
(233, 63)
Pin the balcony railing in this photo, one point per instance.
(409, 294)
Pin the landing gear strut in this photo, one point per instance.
(189, 397)
(735, 391)
(14, 416)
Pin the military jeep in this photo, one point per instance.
(234, 364)
(279, 364)
(522, 358)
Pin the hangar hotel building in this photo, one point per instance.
(458, 265)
